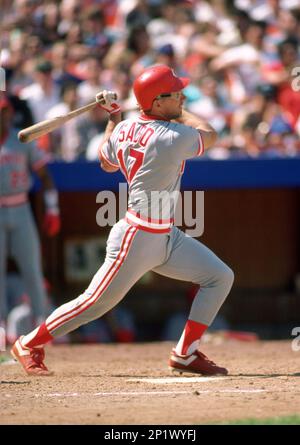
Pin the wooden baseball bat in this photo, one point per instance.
(35, 131)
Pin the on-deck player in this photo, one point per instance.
(151, 151)
(18, 233)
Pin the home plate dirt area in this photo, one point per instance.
(130, 384)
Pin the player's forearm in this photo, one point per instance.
(45, 178)
(113, 121)
(51, 198)
(208, 133)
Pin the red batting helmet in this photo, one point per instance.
(156, 80)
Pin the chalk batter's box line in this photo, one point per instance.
(147, 393)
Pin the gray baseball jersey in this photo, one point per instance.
(16, 162)
(18, 234)
(151, 153)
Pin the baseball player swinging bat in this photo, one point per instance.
(150, 149)
(37, 130)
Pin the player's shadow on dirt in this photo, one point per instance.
(8, 382)
(266, 376)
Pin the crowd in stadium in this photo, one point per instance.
(242, 57)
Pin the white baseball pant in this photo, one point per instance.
(130, 253)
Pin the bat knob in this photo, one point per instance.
(22, 136)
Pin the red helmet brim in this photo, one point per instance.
(179, 84)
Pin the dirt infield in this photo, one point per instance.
(131, 385)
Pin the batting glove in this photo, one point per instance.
(107, 101)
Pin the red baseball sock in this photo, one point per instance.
(190, 337)
(37, 338)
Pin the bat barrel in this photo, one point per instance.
(41, 128)
(46, 126)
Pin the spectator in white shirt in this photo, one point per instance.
(242, 64)
(66, 140)
(91, 70)
(43, 94)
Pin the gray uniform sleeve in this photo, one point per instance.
(108, 153)
(109, 148)
(186, 143)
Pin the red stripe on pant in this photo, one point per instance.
(60, 320)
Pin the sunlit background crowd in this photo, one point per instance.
(242, 57)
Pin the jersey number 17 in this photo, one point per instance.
(138, 157)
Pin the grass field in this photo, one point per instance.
(4, 358)
(285, 420)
